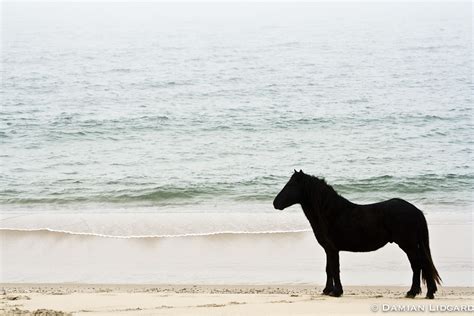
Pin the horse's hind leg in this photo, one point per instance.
(430, 282)
(415, 262)
(432, 288)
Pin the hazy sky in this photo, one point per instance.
(174, 1)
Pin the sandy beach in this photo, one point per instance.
(88, 299)
(58, 273)
(283, 273)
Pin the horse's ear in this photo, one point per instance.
(295, 170)
(301, 171)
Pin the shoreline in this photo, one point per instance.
(231, 299)
(277, 258)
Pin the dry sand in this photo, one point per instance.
(83, 299)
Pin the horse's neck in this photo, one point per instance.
(322, 210)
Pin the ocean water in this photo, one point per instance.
(142, 119)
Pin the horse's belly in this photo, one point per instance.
(360, 242)
(365, 247)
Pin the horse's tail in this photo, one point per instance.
(428, 271)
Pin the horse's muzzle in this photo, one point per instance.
(276, 206)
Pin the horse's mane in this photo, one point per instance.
(319, 185)
(320, 194)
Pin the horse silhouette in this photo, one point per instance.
(340, 225)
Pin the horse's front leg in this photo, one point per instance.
(334, 260)
(329, 278)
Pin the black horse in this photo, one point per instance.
(340, 225)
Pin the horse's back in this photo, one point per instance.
(399, 210)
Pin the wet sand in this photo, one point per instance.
(238, 258)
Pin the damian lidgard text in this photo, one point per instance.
(431, 308)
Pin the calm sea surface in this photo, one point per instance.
(207, 107)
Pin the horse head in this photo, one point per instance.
(291, 193)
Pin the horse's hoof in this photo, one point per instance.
(430, 296)
(413, 293)
(335, 293)
(326, 292)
